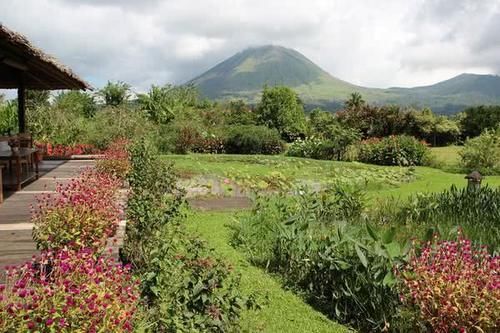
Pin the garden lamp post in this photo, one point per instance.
(474, 180)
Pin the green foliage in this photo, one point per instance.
(394, 150)
(374, 121)
(250, 139)
(77, 102)
(482, 153)
(343, 269)
(113, 123)
(187, 290)
(37, 99)
(240, 114)
(280, 108)
(355, 101)
(115, 93)
(161, 104)
(8, 117)
(475, 211)
(477, 119)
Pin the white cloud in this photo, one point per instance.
(374, 43)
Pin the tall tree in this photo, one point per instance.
(281, 108)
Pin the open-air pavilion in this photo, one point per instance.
(22, 67)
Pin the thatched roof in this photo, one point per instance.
(20, 60)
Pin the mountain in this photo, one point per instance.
(244, 74)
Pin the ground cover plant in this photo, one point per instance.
(84, 212)
(67, 291)
(454, 286)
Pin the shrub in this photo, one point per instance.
(253, 140)
(455, 287)
(308, 148)
(394, 150)
(482, 153)
(115, 161)
(343, 269)
(82, 214)
(69, 291)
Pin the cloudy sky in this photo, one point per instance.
(378, 43)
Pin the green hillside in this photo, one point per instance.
(244, 74)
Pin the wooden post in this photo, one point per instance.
(21, 106)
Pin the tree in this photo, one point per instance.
(115, 93)
(77, 102)
(355, 101)
(162, 103)
(281, 108)
(476, 119)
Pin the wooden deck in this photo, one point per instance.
(16, 244)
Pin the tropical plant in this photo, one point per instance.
(115, 93)
(344, 269)
(162, 103)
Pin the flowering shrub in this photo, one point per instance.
(455, 287)
(64, 151)
(308, 147)
(69, 291)
(115, 160)
(400, 150)
(81, 214)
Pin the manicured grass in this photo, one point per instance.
(283, 311)
(447, 155)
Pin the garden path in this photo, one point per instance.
(16, 244)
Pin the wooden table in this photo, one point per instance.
(19, 178)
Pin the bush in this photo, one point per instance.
(482, 153)
(308, 148)
(115, 161)
(82, 214)
(454, 287)
(394, 150)
(345, 270)
(69, 292)
(333, 146)
(253, 140)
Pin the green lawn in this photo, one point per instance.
(283, 311)
(448, 156)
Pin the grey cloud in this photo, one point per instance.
(154, 41)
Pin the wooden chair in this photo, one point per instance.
(4, 146)
(25, 140)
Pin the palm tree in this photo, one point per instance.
(355, 101)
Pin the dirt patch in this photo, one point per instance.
(220, 203)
